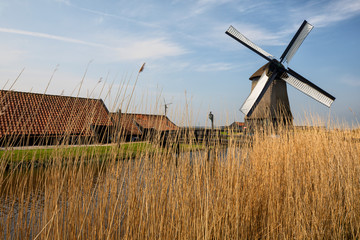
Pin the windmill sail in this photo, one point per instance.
(257, 93)
(307, 87)
(232, 32)
(297, 40)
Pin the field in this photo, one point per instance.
(300, 183)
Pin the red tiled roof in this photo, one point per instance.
(32, 113)
(131, 122)
(127, 124)
(157, 122)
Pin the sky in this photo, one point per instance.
(95, 48)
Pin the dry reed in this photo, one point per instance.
(302, 183)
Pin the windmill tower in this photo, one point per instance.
(268, 102)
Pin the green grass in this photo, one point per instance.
(69, 152)
(122, 151)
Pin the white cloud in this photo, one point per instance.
(251, 6)
(67, 2)
(50, 36)
(335, 11)
(172, 66)
(214, 67)
(351, 81)
(11, 55)
(99, 20)
(153, 48)
(319, 14)
(121, 17)
(129, 49)
(202, 6)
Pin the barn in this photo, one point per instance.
(136, 126)
(42, 119)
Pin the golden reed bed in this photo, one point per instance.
(300, 183)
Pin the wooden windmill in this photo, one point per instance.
(268, 101)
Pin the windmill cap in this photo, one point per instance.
(259, 72)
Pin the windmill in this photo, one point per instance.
(268, 100)
(166, 106)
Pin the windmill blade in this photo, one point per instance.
(235, 34)
(296, 41)
(257, 93)
(307, 87)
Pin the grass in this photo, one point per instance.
(46, 153)
(302, 184)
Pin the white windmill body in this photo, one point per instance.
(268, 101)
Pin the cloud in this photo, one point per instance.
(105, 14)
(335, 11)
(351, 81)
(201, 6)
(129, 48)
(50, 36)
(252, 6)
(214, 67)
(153, 48)
(66, 2)
(11, 55)
(171, 66)
(319, 14)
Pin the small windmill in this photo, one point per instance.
(268, 100)
(166, 106)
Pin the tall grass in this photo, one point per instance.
(301, 183)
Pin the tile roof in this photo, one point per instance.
(32, 113)
(127, 123)
(157, 122)
(132, 122)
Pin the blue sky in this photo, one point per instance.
(190, 61)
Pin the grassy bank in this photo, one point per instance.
(47, 153)
(65, 153)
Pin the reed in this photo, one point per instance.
(301, 183)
